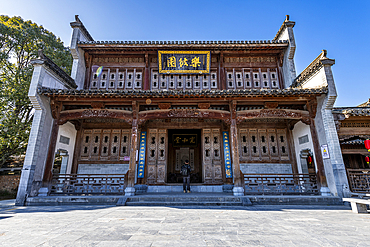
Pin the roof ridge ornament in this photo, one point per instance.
(78, 24)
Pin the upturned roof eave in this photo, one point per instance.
(279, 44)
(184, 94)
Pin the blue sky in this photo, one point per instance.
(341, 27)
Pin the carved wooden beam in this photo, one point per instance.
(184, 113)
(273, 113)
(271, 105)
(94, 113)
(164, 106)
(204, 105)
(97, 105)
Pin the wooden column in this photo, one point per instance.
(133, 149)
(51, 154)
(221, 73)
(235, 153)
(319, 160)
(311, 107)
(235, 146)
(146, 73)
(88, 59)
(76, 153)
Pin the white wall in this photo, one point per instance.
(301, 129)
(67, 130)
(316, 80)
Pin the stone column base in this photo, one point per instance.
(325, 191)
(238, 191)
(43, 191)
(130, 191)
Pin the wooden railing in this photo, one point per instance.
(359, 180)
(280, 184)
(89, 184)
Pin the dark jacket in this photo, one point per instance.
(188, 167)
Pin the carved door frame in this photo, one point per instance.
(157, 148)
(212, 160)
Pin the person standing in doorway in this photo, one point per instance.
(185, 172)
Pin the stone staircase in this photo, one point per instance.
(189, 199)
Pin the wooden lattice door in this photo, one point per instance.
(157, 156)
(212, 164)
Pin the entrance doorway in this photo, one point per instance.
(184, 144)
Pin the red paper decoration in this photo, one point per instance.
(367, 159)
(309, 159)
(367, 144)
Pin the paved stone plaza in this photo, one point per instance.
(171, 226)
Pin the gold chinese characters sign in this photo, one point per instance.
(184, 140)
(184, 62)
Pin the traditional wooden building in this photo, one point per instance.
(133, 111)
(353, 127)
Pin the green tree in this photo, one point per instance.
(20, 41)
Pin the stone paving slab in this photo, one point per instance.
(274, 225)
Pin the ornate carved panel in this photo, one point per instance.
(283, 144)
(212, 164)
(85, 144)
(157, 155)
(95, 144)
(125, 143)
(115, 141)
(272, 140)
(263, 145)
(105, 144)
(244, 143)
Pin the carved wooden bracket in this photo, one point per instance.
(306, 120)
(312, 107)
(164, 106)
(56, 107)
(271, 105)
(204, 105)
(97, 105)
(76, 123)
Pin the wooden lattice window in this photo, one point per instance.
(263, 145)
(105, 144)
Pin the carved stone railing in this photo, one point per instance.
(89, 184)
(359, 180)
(280, 184)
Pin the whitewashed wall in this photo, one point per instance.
(301, 129)
(67, 130)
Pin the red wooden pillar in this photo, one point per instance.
(319, 160)
(130, 190)
(51, 154)
(146, 73)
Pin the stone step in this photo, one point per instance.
(185, 199)
(184, 203)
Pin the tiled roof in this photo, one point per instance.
(285, 23)
(56, 69)
(353, 142)
(311, 69)
(353, 111)
(366, 104)
(232, 42)
(78, 23)
(184, 94)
